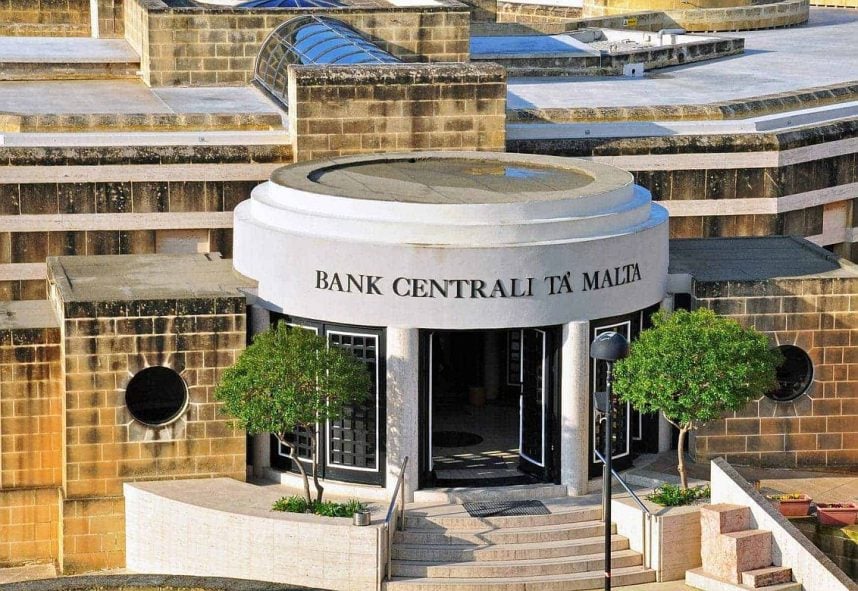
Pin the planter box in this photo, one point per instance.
(793, 507)
(841, 514)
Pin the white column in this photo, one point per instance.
(574, 407)
(403, 357)
(665, 428)
(260, 320)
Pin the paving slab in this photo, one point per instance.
(775, 60)
(65, 50)
(126, 96)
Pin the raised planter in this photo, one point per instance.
(791, 505)
(837, 514)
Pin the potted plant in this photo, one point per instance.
(792, 504)
(837, 514)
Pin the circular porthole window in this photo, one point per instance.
(794, 375)
(156, 396)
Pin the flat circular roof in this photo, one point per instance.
(450, 178)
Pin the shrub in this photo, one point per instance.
(672, 495)
(296, 504)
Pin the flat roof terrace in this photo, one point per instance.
(820, 53)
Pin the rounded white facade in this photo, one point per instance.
(453, 241)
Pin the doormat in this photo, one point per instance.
(455, 439)
(506, 508)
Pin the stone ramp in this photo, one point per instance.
(444, 547)
(71, 58)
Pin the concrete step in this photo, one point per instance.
(766, 577)
(518, 568)
(507, 535)
(58, 58)
(492, 552)
(518, 492)
(700, 579)
(455, 517)
(633, 575)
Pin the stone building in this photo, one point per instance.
(469, 324)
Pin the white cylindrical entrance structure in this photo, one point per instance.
(443, 248)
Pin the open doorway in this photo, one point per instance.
(488, 399)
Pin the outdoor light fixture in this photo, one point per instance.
(608, 347)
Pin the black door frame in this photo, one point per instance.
(426, 477)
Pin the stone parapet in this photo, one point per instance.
(736, 109)
(341, 110)
(527, 13)
(197, 46)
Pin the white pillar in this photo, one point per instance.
(491, 365)
(574, 407)
(664, 428)
(403, 355)
(260, 320)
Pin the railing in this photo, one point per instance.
(395, 520)
(646, 515)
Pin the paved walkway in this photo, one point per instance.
(821, 53)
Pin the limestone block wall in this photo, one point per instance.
(30, 440)
(198, 186)
(108, 18)
(819, 428)
(527, 13)
(800, 182)
(105, 345)
(341, 110)
(46, 18)
(201, 47)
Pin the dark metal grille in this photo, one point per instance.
(506, 508)
(352, 440)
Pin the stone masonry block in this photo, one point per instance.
(765, 577)
(737, 552)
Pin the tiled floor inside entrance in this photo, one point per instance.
(496, 456)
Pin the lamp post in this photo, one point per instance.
(608, 347)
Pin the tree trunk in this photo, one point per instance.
(680, 451)
(294, 457)
(319, 489)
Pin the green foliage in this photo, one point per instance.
(672, 495)
(289, 377)
(296, 504)
(695, 366)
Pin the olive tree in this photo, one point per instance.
(694, 367)
(288, 379)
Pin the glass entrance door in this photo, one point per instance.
(533, 403)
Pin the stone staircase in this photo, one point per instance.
(735, 557)
(444, 548)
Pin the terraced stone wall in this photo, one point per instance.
(30, 440)
(198, 186)
(110, 21)
(105, 345)
(341, 110)
(45, 18)
(819, 428)
(210, 46)
(801, 182)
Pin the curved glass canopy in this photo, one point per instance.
(311, 40)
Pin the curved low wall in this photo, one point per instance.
(711, 18)
(164, 582)
(224, 528)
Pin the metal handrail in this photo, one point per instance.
(624, 485)
(397, 518)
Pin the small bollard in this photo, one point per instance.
(362, 517)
